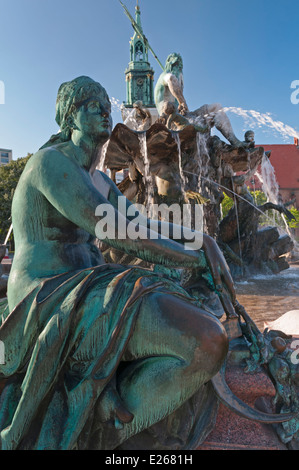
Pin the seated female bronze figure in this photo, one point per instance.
(86, 342)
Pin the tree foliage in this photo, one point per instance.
(9, 177)
(294, 223)
(227, 204)
(270, 217)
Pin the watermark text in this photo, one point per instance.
(160, 221)
(295, 94)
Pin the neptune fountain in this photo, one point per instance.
(117, 336)
(177, 160)
(88, 364)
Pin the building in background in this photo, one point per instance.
(139, 74)
(5, 156)
(285, 161)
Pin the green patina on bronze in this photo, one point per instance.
(101, 355)
(89, 343)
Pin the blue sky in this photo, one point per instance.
(242, 54)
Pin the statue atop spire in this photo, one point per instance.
(138, 30)
(139, 73)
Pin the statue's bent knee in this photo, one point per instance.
(212, 347)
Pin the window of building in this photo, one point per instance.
(139, 51)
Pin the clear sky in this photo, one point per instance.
(242, 54)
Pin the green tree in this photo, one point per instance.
(270, 217)
(9, 177)
(294, 223)
(226, 205)
(258, 196)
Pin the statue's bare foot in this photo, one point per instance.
(113, 409)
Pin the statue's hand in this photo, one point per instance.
(183, 109)
(161, 120)
(222, 278)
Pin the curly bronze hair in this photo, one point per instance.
(173, 59)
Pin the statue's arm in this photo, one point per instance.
(182, 235)
(70, 190)
(177, 91)
(278, 207)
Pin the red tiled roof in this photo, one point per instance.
(285, 160)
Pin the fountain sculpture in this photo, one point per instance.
(187, 166)
(177, 160)
(126, 346)
(81, 344)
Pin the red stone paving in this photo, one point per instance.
(233, 432)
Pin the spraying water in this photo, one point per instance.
(230, 191)
(252, 119)
(115, 104)
(271, 188)
(268, 180)
(130, 120)
(203, 162)
(149, 183)
(267, 177)
(237, 219)
(176, 137)
(255, 119)
(187, 214)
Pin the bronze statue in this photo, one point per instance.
(97, 353)
(82, 337)
(169, 88)
(139, 118)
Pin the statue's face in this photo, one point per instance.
(93, 116)
(174, 64)
(177, 66)
(177, 69)
(250, 137)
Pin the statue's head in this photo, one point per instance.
(81, 94)
(174, 60)
(249, 136)
(87, 99)
(138, 104)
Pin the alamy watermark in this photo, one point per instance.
(136, 222)
(295, 94)
(2, 92)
